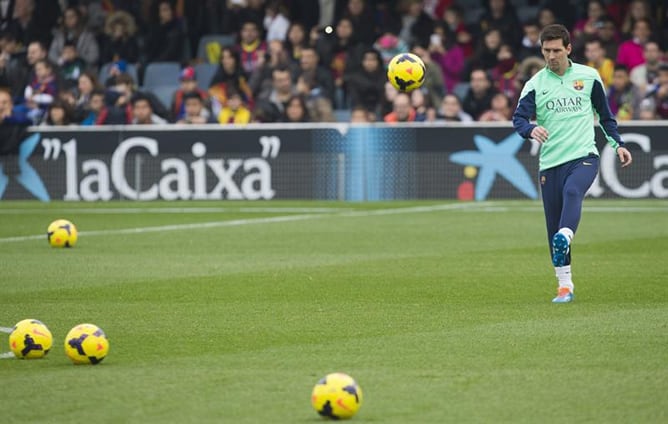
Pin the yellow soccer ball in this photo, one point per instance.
(62, 233)
(337, 396)
(86, 344)
(30, 339)
(406, 72)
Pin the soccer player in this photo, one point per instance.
(563, 97)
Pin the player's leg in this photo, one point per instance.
(580, 176)
(552, 183)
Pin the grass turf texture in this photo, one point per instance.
(440, 311)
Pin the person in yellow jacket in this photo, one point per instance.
(234, 111)
(595, 54)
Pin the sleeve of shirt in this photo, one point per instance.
(605, 118)
(525, 111)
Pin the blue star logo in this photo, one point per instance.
(492, 159)
(27, 177)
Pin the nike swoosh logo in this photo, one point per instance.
(544, 92)
(586, 163)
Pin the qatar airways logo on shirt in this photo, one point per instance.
(565, 105)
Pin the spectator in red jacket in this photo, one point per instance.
(188, 80)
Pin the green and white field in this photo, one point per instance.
(227, 312)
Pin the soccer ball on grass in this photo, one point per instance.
(86, 344)
(406, 72)
(62, 233)
(337, 396)
(30, 339)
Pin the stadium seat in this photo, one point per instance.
(461, 89)
(527, 13)
(206, 40)
(160, 74)
(164, 93)
(130, 70)
(205, 72)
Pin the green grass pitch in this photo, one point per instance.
(230, 312)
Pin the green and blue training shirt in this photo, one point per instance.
(565, 106)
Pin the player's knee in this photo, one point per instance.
(573, 192)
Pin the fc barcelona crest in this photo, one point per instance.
(578, 85)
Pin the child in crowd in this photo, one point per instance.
(234, 111)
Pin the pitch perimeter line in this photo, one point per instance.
(240, 222)
(121, 211)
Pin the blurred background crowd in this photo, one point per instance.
(102, 62)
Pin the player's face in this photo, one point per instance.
(556, 55)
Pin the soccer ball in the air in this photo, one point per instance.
(337, 396)
(30, 339)
(406, 72)
(62, 233)
(86, 344)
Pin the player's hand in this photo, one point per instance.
(624, 156)
(539, 134)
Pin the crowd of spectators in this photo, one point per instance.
(84, 62)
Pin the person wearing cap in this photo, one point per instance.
(188, 84)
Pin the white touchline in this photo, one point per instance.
(7, 330)
(240, 222)
(159, 210)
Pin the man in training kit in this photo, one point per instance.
(563, 97)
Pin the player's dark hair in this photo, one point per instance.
(555, 32)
